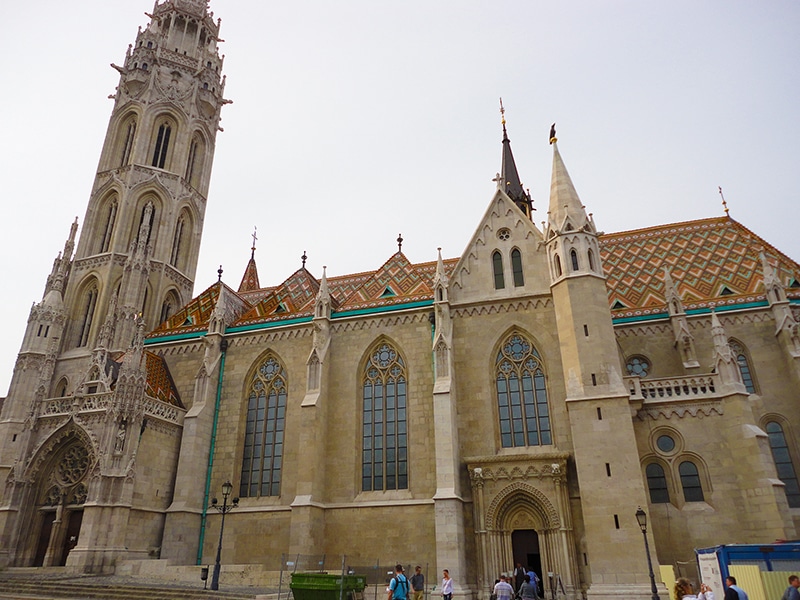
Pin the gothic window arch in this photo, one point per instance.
(523, 411)
(194, 162)
(61, 388)
(262, 458)
(161, 143)
(384, 450)
(169, 306)
(87, 306)
(128, 136)
(657, 483)
(109, 219)
(557, 265)
(590, 256)
(573, 256)
(783, 463)
(516, 268)
(690, 482)
(497, 270)
(181, 241)
(743, 360)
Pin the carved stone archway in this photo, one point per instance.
(523, 493)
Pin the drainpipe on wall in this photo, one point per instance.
(223, 346)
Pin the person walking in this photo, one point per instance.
(417, 584)
(503, 589)
(519, 577)
(398, 586)
(447, 585)
(791, 592)
(527, 591)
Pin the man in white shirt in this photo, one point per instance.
(503, 589)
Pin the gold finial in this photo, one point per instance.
(553, 137)
(724, 204)
(502, 114)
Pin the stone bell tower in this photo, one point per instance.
(133, 266)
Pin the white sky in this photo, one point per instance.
(354, 120)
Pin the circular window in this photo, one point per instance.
(504, 233)
(638, 366)
(665, 443)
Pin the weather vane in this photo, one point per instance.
(724, 204)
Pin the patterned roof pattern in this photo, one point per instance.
(196, 314)
(159, 381)
(294, 297)
(711, 261)
(250, 277)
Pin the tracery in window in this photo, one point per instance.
(783, 463)
(521, 394)
(638, 366)
(657, 483)
(384, 459)
(497, 269)
(263, 442)
(690, 482)
(744, 366)
(516, 268)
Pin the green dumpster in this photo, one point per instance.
(325, 586)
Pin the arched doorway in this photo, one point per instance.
(522, 516)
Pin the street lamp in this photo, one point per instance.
(227, 488)
(641, 518)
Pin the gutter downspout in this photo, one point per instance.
(223, 346)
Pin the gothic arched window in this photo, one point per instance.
(521, 394)
(263, 440)
(177, 240)
(574, 258)
(162, 145)
(516, 268)
(690, 482)
(783, 463)
(657, 483)
(194, 162)
(591, 259)
(744, 366)
(87, 314)
(497, 269)
(108, 227)
(384, 453)
(127, 147)
(557, 263)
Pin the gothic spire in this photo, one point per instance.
(250, 278)
(512, 185)
(565, 205)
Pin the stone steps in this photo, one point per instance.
(25, 588)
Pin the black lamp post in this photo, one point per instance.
(227, 488)
(641, 518)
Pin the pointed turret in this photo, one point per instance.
(684, 340)
(250, 277)
(566, 211)
(509, 175)
(730, 377)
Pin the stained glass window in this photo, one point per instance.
(263, 440)
(384, 450)
(783, 463)
(521, 394)
(657, 483)
(690, 482)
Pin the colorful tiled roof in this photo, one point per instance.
(713, 262)
(294, 297)
(159, 381)
(196, 314)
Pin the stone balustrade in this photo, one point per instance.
(52, 407)
(693, 387)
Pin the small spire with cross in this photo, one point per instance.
(304, 258)
(724, 204)
(399, 242)
(253, 247)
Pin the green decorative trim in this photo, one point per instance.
(695, 311)
(175, 337)
(270, 325)
(381, 309)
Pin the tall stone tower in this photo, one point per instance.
(134, 266)
(605, 453)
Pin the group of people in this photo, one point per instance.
(684, 590)
(526, 585)
(402, 588)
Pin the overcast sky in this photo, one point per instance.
(353, 121)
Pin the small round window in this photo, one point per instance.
(665, 443)
(504, 233)
(638, 366)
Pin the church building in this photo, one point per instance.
(516, 403)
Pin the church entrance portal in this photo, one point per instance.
(525, 548)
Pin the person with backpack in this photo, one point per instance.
(398, 586)
(791, 592)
